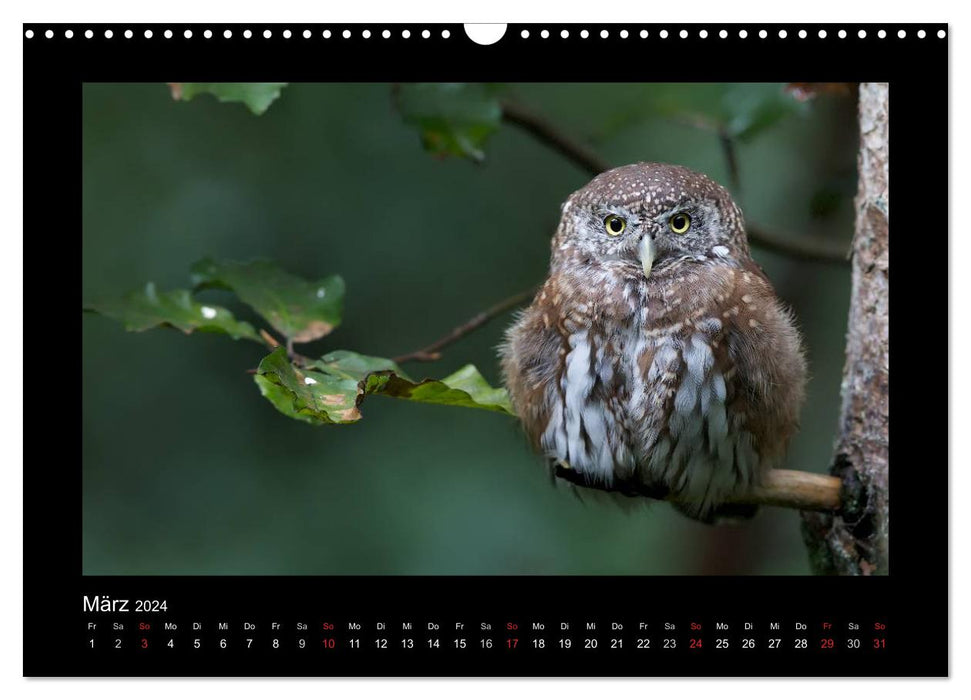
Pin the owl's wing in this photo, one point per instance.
(768, 364)
(531, 359)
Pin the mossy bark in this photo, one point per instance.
(856, 541)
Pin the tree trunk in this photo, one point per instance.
(855, 541)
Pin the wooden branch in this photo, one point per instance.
(432, 352)
(787, 488)
(855, 541)
(783, 488)
(544, 131)
(803, 247)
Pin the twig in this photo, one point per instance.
(803, 247)
(270, 341)
(784, 488)
(546, 132)
(731, 160)
(430, 353)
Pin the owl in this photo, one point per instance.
(656, 358)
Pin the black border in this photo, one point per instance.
(911, 601)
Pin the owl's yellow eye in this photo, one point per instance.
(680, 223)
(615, 225)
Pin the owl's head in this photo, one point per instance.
(650, 215)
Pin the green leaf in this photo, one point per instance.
(754, 109)
(315, 397)
(257, 96)
(332, 388)
(466, 387)
(302, 311)
(352, 365)
(453, 118)
(149, 308)
(742, 111)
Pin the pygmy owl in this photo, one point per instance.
(656, 358)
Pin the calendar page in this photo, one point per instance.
(489, 350)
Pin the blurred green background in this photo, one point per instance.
(187, 470)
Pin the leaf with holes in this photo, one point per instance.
(149, 308)
(453, 118)
(301, 310)
(314, 396)
(330, 390)
(256, 96)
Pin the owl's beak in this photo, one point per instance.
(647, 251)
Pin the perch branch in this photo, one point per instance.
(788, 488)
(432, 352)
(784, 488)
(546, 132)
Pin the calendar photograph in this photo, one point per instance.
(484, 328)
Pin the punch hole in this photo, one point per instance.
(485, 34)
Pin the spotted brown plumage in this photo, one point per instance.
(656, 357)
